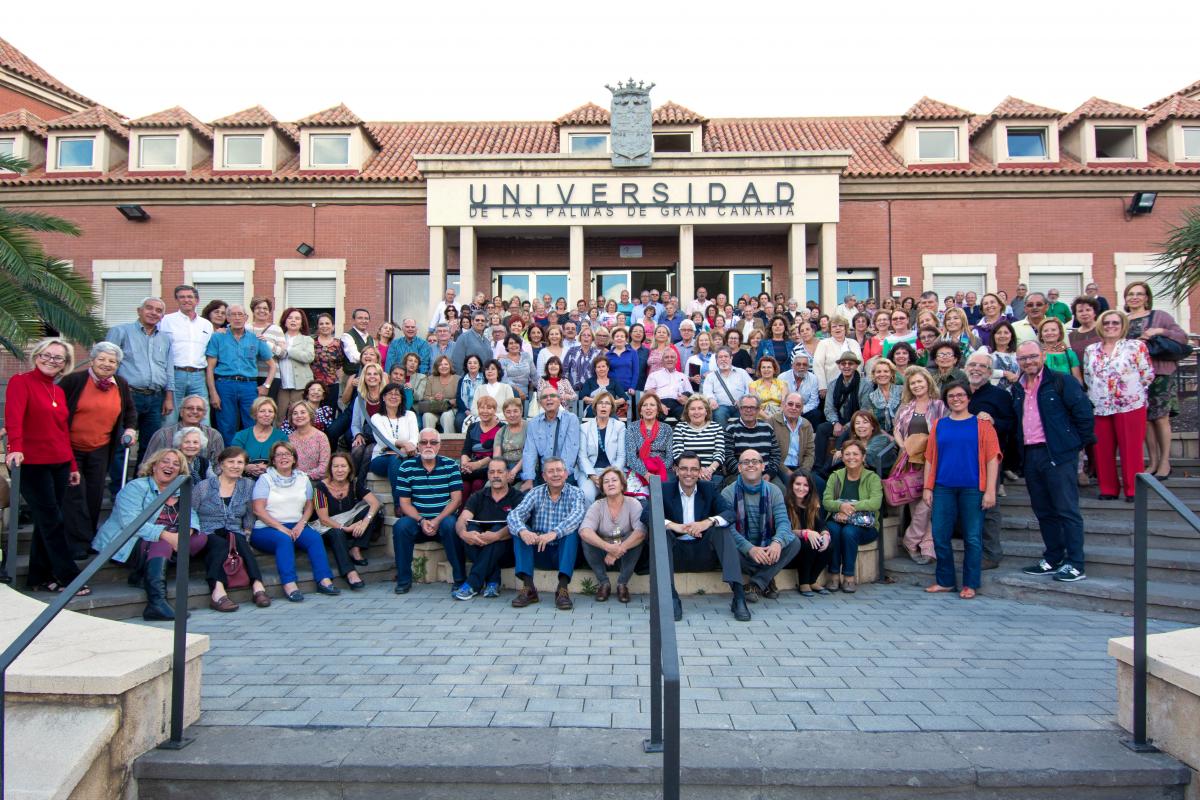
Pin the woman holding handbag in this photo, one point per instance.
(222, 502)
(1153, 327)
(919, 409)
(853, 497)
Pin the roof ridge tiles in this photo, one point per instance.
(1099, 108)
(13, 59)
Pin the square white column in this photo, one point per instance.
(575, 283)
(437, 266)
(466, 264)
(797, 264)
(687, 266)
(828, 268)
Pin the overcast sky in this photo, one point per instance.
(534, 60)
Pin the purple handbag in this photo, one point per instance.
(905, 484)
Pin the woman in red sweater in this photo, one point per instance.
(38, 442)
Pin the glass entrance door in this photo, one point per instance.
(750, 282)
(528, 285)
(610, 282)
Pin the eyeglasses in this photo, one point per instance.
(1111, 323)
(750, 461)
(956, 396)
(431, 442)
(1026, 359)
(49, 359)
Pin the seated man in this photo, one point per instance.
(545, 533)
(804, 382)
(794, 434)
(427, 490)
(698, 516)
(841, 401)
(483, 528)
(761, 529)
(748, 432)
(724, 385)
(552, 434)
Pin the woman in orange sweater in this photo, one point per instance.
(962, 460)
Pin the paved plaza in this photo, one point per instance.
(889, 658)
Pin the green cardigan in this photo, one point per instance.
(870, 491)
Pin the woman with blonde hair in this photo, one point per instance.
(829, 352)
(1052, 335)
(769, 388)
(601, 445)
(1119, 375)
(919, 409)
(259, 438)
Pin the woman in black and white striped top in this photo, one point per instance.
(697, 433)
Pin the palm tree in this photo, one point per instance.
(39, 292)
(1180, 257)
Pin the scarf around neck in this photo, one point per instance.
(766, 526)
(279, 481)
(103, 384)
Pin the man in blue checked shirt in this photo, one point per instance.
(545, 531)
(553, 434)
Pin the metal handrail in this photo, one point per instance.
(664, 651)
(183, 485)
(1146, 482)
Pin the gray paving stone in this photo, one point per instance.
(878, 723)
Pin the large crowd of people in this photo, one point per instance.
(779, 431)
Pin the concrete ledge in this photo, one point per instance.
(1172, 690)
(1173, 657)
(36, 771)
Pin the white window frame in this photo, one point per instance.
(1043, 129)
(312, 151)
(58, 143)
(225, 163)
(13, 151)
(1056, 263)
(1183, 132)
(533, 275)
(972, 264)
(126, 270)
(221, 270)
(313, 268)
(691, 142)
(1133, 132)
(1144, 264)
(954, 158)
(143, 138)
(571, 137)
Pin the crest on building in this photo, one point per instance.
(632, 137)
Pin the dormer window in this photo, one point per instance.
(8, 145)
(1191, 143)
(672, 142)
(1116, 142)
(329, 150)
(76, 152)
(588, 143)
(158, 151)
(1027, 143)
(937, 144)
(243, 150)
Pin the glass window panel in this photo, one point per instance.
(75, 152)
(409, 295)
(243, 151)
(157, 151)
(7, 146)
(812, 289)
(330, 150)
(750, 283)
(937, 143)
(509, 286)
(594, 143)
(1027, 142)
(1191, 142)
(1116, 143)
(555, 285)
(610, 284)
(672, 143)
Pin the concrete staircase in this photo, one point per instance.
(1174, 556)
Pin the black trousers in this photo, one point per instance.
(822, 458)
(43, 487)
(217, 550)
(340, 542)
(487, 561)
(81, 507)
(714, 550)
(809, 562)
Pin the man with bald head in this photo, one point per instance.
(795, 434)
(408, 342)
(994, 404)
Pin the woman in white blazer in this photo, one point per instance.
(601, 445)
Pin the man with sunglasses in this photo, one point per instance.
(1036, 307)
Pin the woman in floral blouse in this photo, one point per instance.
(328, 358)
(1118, 375)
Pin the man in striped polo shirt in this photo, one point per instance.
(427, 491)
(748, 432)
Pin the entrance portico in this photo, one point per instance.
(679, 205)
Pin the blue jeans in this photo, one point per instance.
(186, 384)
(559, 555)
(282, 546)
(722, 414)
(843, 560)
(405, 533)
(959, 505)
(149, 420)
(236, 398)
(1054, 496)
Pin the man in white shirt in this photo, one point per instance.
(189, 333)
(357, 339)
(724, 385)
(847, 309)
(439, 312)
(700, 303)
(804, 383)
(570, 332)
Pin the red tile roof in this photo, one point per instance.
(22, 120)
(253, 117)
(1097, 108)
(90, 119)
(1013, 108)
(1191, 90)
(671, 113)
(928, 109)
(586, 114)
(13, 59)
(1178, 107)
(336, 117)
(175, 117)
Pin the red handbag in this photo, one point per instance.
(905, 484)
(236, 576)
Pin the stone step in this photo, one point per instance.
(573, 764)
(1167, 600)
(1106, 530)
(1178, 566)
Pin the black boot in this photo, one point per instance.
(157, 607)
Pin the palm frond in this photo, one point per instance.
(64, 301)
(13, 164)
(1179, 255)
(20, 321)
(35, 221)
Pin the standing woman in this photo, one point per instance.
(962, 461)
(312, 448)
(944, 357)
(1052, 335)
(919, 409)
(993, 315)
(468, 386)
(881, 326)
(438, 402)
(704, 360)
(100, 412)
(647, 445)
(803, 503)
(624, 362)
(853, 497)
(1004, 355)
(612, 534)
(494, 387)
(777, 345)
(295, 362)
(1086, 331)
(830, 351)
(1163, 403)
(806, 341)
(518, 367)
(1118, 375)
(956, 329)
(328, 357)
(39, 441)
(217, 313)
(768, 387)
(577, 365)
(350, 514)
(554, 347)
(601, 445)
(537, 341)
(478, 446)
(387, 333)
(261, 326)
(158, 539)
(283, 503)
(662, 343)
(860, 331)
(222, 503)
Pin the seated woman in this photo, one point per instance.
(192, 442)
(222, 502)
(769, 388)
(668, 384)
(853, 497)
(603, 382)
(879, 448)
(258, 440)
(439, 402)
(312, 448)
(552, 377)
(510, 441)
(350, 515)
(601, 445)
(283, 502)
(414, 379)
(612, 533)
(698, 433)
(478, 446)
(316, 394)
(882, 395)
(395, 430)
(158, 540)
(808, 523)
(647, 445)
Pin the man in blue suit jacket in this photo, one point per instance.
(699, 517)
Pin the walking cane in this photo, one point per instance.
(126, 440)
